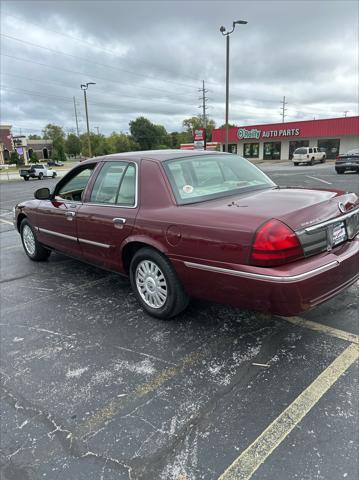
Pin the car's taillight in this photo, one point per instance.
(275, 244)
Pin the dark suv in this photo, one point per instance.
(347, 161)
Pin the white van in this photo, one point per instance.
(308, 155)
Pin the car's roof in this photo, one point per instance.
(159, 155)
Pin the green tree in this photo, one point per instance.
(118, 142)
(34, 158)
(148, 135)
(98, 144)
(34, 137)
(57, 135)
(14, 158)
(72, 144)
(192, 123)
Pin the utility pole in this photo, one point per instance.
(226, 34)
(284, 103)
(204, 108)
(345, 112)
(84, 87)
(77, 123)
(98, 130)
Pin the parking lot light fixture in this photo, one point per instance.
(226, 34)
(84, 87)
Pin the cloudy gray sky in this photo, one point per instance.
(150, 57)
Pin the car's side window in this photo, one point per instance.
(73, 189)
(310, 150)
(115, 184)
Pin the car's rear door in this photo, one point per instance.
(56, 218)
(107, 216)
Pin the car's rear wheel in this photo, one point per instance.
(26, 179)
(323, 159)
(156, 285)
(54, 175)
(339, 170)
(40, 176)
(33, 248)
(311, 162)
(296, 164)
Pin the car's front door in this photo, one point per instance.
(56, 218)
(107, 216)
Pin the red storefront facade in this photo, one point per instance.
(278, 141)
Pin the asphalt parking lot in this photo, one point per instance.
(93, 388)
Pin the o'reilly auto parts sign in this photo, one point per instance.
(254, 133)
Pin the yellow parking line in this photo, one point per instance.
(318, 327)
(6, 221)
(252, 458)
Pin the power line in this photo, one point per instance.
(30, 92)
(28, 79)
(87, 60)
(108, 51)
(83, 74)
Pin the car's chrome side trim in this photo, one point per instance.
(331, 221)
(57, 234)
(264, 277)
(96, 244)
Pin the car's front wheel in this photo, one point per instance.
(156, 285)
(33, 249)
(54, 175)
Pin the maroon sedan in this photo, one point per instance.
(202, 224)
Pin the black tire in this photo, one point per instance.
(40, 176)
(296, 164)
(26, 179)
(339, 170)
(39, 253)
(54, 175)
(312, 161)
(323, 159)
(176, 298)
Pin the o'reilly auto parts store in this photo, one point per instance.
(278, 141)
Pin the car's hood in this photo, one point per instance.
(297, 207)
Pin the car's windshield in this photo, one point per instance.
(355, 151)
(300, 150)
(204, 177)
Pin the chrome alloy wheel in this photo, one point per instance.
(151, 284)
(29, 240)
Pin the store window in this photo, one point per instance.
(232, 148)
(330, 146)
(296, 144)
(272, 151)
(251, 150)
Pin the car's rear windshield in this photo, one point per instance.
(205, 177)
(355, 151)
(300, 150)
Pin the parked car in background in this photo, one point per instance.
(308, 155)
(55, 163)
(38, 171)
(208, 225)
(348, 161)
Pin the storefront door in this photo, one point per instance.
(331, 147)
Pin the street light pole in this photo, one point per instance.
(84, 87)
(227, 34)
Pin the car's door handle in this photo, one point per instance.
(70, 215)
(119, 222)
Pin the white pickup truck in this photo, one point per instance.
(38, 171)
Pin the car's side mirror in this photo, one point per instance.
(42, 194)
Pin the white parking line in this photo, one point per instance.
(319, 180)
(253, 457)
(318, 327)
(6, 221)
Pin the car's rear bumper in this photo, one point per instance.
(287, 290)
(347, 165)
